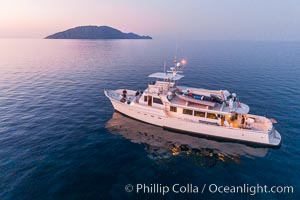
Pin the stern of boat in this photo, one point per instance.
(275, 138)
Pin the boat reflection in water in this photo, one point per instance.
(162, 144)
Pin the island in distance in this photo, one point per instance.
(95, 32)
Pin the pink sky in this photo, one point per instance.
(193, 19)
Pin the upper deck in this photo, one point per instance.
(180, 102)
(168, 89)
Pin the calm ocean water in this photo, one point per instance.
(60, 137)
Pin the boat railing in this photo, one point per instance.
(113, 94)
(117, 96)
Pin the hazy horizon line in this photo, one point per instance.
(168, 39)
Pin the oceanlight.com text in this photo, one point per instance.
(189, 188)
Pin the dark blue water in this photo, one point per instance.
(60, 138)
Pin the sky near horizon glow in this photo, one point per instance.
(191, 19)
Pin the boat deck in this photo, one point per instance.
(181, 102)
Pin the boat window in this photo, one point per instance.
(199, 113)
(212, 116)
(145, 98)
(173, 108)
(187, 112)
(157, 100)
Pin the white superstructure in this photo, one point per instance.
(210, 113)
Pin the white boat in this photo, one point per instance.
(211, 113)
(162, 144)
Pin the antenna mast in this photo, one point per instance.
(176, 51)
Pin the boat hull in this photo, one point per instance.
(160, 118)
